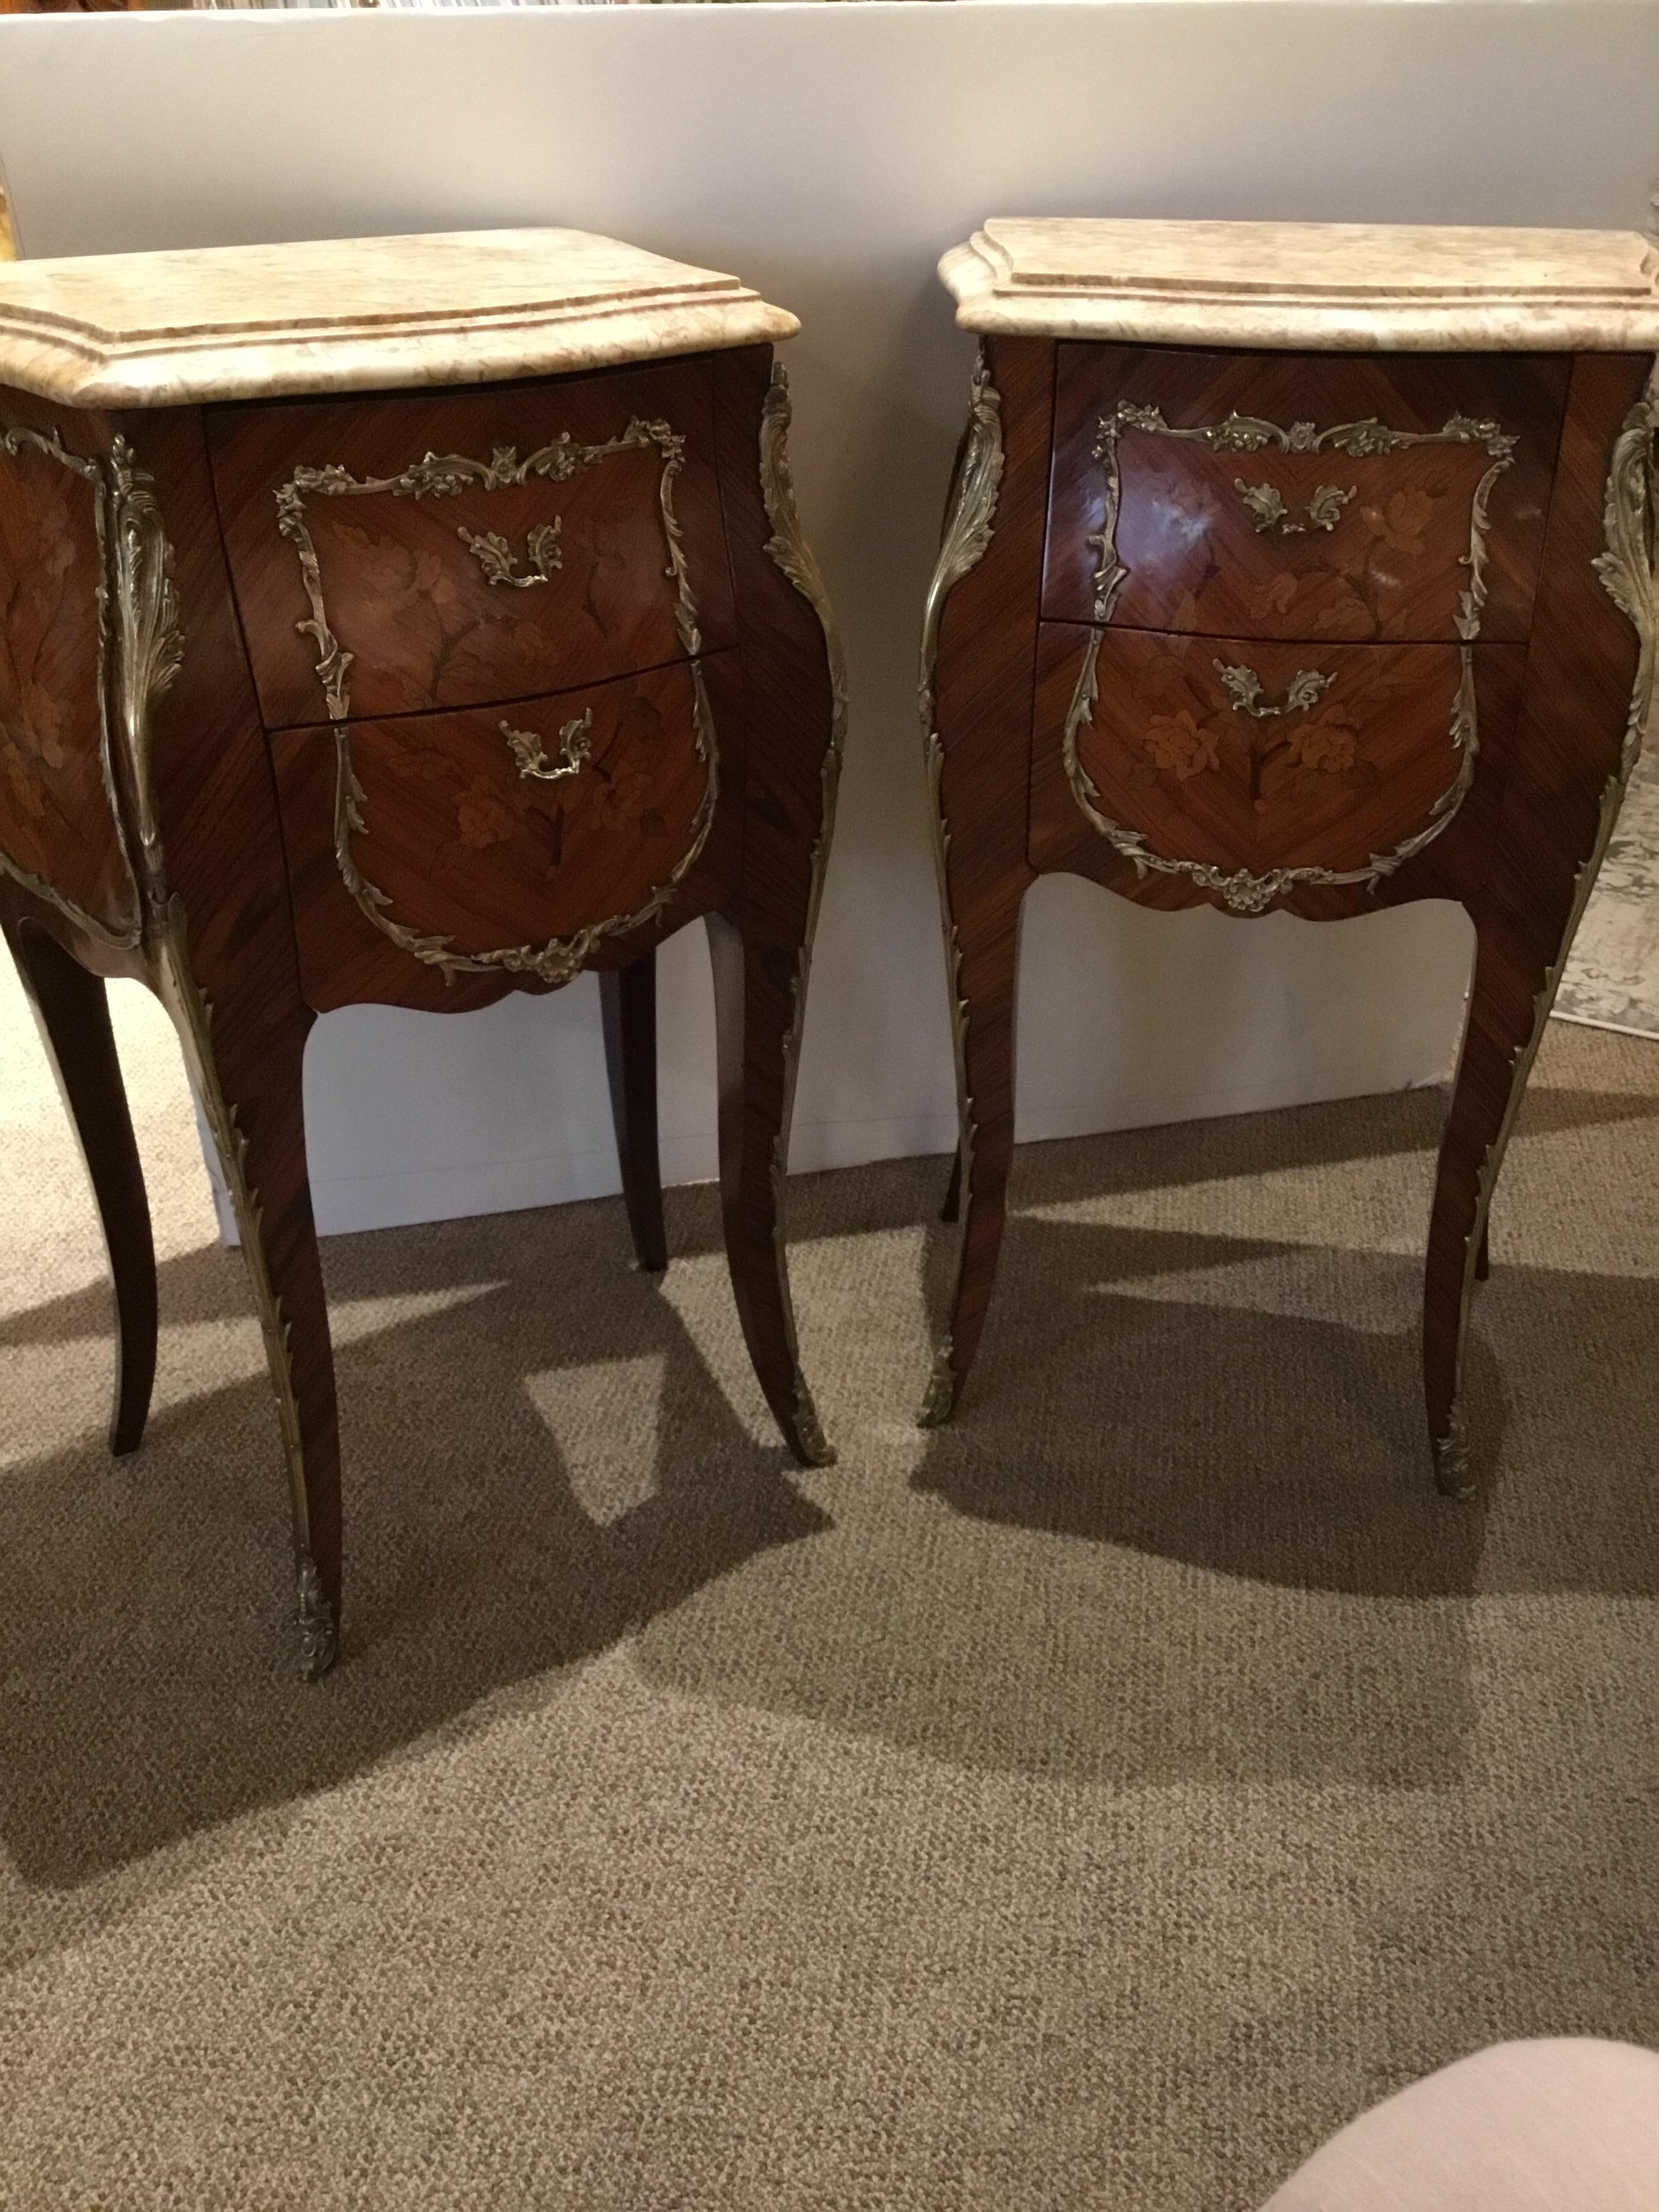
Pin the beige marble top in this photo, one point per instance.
(1314, 285)
(237, 322)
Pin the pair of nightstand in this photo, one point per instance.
(414, 620)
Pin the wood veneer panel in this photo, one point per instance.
(1360, 773)
(1394, 566)
(1560, 791)
(58, 823)
(405, 595)
(761, 941)
(230, 918)
(984, 678)
(465, 849)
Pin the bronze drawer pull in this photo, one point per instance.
(496, 556)
(1268, 513)
(575, 743)
(1243, 687)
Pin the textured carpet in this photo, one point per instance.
(1090, 1805)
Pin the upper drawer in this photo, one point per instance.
(1301, 495)
(394, 555)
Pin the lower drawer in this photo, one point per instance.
(438, 860)
(1246, 773)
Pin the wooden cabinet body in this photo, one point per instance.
(413, 697)
(1275, 627)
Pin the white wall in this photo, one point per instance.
(829, 155)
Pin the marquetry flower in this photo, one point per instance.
(1276, 597)
(484, 817)
(1185, 615)
(1326, 741)
(1177, 743)
(22, 775)
(1402, 522)
(622, 795)
(43, 726)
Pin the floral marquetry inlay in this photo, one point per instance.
(450, 829)
(62, 836)
(411, 607)
(1250, 781)
(1354, 558)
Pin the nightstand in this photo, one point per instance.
(1302, 568)
(411, 621)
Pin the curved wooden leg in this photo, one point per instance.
(248, 1070)
(952, 1206)
(628, 1003)
(71, 1008)
(755, 990)
(984, 947)
(1483, 1257)
(1509, 1002)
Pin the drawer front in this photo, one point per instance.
(396, 556)
(1242, 772)
(1302, 496)
(60, 834)
(510, 845)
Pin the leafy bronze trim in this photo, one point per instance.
(150, 648)
(150, 643)
(559, 958)
(496, 558)
(970, 512)
(443, 475)
(125, 936)
(1243, 687)
(575, 743)
(193, 1018)
(1629, 570)
(789, 549)
(1269, 516)
(1243, 891)
(1250, 434)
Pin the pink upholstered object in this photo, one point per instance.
(1564, 2125)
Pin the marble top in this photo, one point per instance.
(239, 322)
(1352, 286)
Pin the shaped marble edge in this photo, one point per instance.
(180, 328)
(1352, 287)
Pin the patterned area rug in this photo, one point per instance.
(1612, 980)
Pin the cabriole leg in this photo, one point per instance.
(248, 1077)
(984, 949)
(755, 992)
(1509, 1003)
(71, 1008)
(627, 1002)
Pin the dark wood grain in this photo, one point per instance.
(467, 850)
(57, 825)
(761, 940)
(1171, 764)
(1561, 779)
(1173, 757)
(628, 1005)
(1395, 565)
(984, 680)
(224, 918)
(406, 598)
(71, 1009)
(587, 802)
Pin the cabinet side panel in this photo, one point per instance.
(61, 834)
(1581, 666)
(787, 688)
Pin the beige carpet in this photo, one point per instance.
(1091, 1805)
